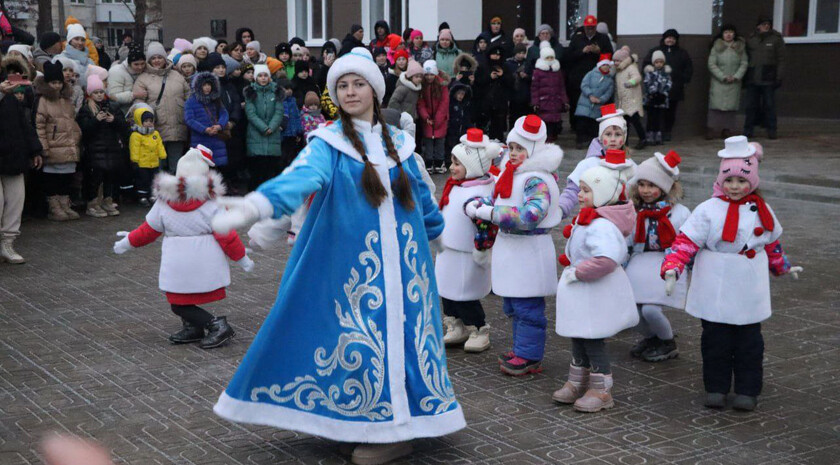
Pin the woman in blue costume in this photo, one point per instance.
(353, 348)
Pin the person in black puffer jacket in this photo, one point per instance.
(20, 149)
(681, 70)
(105, 140)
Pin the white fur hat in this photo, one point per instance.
(608, 180)
(197, 161)
(206, 42)
(476, 152)
(75, 30)
(259, 69)
(430, 67)
(357, 61)
(661, 170)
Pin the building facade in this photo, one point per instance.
(811, 29)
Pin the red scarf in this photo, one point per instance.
(450, 183)
(665, 229)
(586, 216)
(504, 185)
(730, 227)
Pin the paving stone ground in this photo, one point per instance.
(83, 350)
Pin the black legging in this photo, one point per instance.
(470, 312)
(57, 183)
(670, 117)
(636, 122)
(590, 353)
(193, 314)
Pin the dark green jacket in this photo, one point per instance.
(264, 108)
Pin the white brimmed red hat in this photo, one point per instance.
(528, 131)
(605, 59)
(476, 152)
(661, 170)
(608, 179)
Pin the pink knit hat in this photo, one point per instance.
(743, 164)
(182, 44)
(414, 67)
(415, 33)
(94, 83)
(445, 34)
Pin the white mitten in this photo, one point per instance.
(570, 275)
(795, 270)
(235, 212)
(670, 281)
(471, 207)
(268, 234)
(482, 257)
(484, 212)
(123, 245)
(436, 245)
(246, 263)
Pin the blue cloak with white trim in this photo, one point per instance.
(353, 348)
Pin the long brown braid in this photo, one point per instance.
(375, 192)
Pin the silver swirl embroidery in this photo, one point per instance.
(365, 391)
(429, 347)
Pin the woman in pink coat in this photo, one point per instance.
(548, 90)
(433, 113)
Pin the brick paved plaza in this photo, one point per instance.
(83, 350)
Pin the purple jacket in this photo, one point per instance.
(568, 198)
(548, 91)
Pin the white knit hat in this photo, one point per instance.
(75, 30)
(611, 117)
(528, 131)
(259, 69)
(24, 50)
(357, 61)
(254, 44)
(476, 152)
(661, 170)
(430, 67)
(658, 55)
(197, 161)
(155, 49)
(546, 50)
(608, 180)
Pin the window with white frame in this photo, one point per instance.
(395, 12)
(569, 15)
(307, 19)
(808, 20)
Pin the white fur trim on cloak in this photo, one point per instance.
(169, 188)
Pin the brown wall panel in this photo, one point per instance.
(191, 18)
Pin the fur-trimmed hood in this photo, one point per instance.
(43, 88)
(462, 58)
(18, 64)
(252, 90)
(651, 68)
(199, 80)
(175, 190)
(458, 85)
(738, 45)
(633, 58)
(406, 82)
(546, 158)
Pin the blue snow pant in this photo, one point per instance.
(529, 323)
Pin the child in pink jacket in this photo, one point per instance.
(433, 113)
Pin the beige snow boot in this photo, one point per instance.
(64, 201)
(455, 331)
(56, 213)
(7, 251)
(479, 339)
(574, 388)
(108, 206)
(598, 396)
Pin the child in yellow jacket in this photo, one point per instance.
(147, 151)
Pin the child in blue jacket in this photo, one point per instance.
(207, 117)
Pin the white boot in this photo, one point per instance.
(479, 340)
(456, 332)
(7, 252)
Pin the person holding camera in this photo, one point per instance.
(104, 137)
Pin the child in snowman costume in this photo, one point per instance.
(735, 237)
(462, 269)
(193, 267)
(594, 296)
(655, 191)
(525, 205)
(612, 135)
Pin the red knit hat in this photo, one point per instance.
(590, 20)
